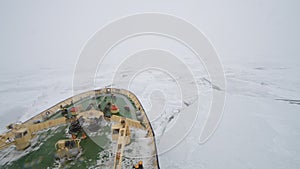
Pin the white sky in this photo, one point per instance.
(45, 34)
(36, 34)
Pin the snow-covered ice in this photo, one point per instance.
(258, 130)
(257, 42)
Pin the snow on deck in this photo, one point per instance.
(141, 148)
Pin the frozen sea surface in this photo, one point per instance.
(259, 129)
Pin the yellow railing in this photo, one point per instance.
(52, 110)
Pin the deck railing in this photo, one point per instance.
(52, 110)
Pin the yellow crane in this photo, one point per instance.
(121, 134)
(21, 134)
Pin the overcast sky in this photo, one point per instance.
(51, 33)
(36, 35)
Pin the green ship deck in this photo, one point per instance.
(98, 149)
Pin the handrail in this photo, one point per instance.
(95, 92)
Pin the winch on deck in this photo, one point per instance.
(67, 148)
